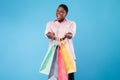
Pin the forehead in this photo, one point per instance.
(60, 8)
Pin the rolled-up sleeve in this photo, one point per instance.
(48, 28)
(72, 28)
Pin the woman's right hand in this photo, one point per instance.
(50, 35)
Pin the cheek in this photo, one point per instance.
(64, 15)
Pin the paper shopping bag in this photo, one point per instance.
(47, 61)
(68, 61)
(53, 75)
(62, 74)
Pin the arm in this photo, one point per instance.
(49, 32)
(69, 35)
(51, 35)
(71, 32)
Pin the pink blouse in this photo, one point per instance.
(60, 29)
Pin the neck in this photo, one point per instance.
(61, 20)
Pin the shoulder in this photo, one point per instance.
(71, 22)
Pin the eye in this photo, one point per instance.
(62, 12)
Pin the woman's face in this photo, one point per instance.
(60, 13)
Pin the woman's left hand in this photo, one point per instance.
(69, 35)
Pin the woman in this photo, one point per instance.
(62, 29)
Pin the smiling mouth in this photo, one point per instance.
(58, 16)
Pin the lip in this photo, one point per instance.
(58, 16)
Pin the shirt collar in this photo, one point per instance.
(62, 21)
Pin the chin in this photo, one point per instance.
(58, 19)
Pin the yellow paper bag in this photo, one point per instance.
(68, 61)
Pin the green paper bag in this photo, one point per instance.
(53, 75)
(47, 61)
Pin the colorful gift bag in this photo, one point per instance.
(46, 64)
(53, 75)
(68, 61)
(62, 74)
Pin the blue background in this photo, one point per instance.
(23, 44)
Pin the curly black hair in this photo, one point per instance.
(64, 6)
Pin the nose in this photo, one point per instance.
(61, 13)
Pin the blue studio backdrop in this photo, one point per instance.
(23, 44)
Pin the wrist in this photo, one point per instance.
(54, 38)
(69, 36)
(61, 39)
